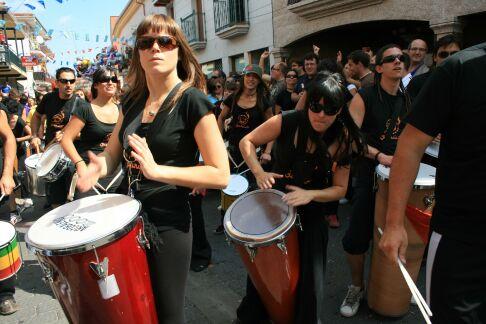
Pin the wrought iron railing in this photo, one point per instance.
(7, 58)
(291, 2)
(228, 13)
(193, 27)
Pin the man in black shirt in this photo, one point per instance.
(310, 66)
(453, 103)
(359, 68)
(57, 106)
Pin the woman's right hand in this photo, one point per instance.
(384, 159)
(91, 174)
(266, 180)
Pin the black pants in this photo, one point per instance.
(57, 191)
(169, 268)
(201, 250)
(456, 278)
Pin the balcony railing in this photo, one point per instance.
(194, 29)
(291, 2)
(9, 58)
(230, 18)
(315, 9)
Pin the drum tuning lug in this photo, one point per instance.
(142, 240)
(47, 278)
(429, 201)
(100, 269)
(251, 252)
(298, 223)
(281, 245)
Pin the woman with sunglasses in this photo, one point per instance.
(313, 149)
(379, 111)
(91, 126)
(283, 101)
(165, 120)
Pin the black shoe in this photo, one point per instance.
(199, 265)
(219, 230)
(8, 306)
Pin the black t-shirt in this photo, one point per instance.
(453, 103)
(417, 83)
(58, 111)
(244, 120)
(170, 138)
(94, 133)
(19, 131)
(284, 100)
(302, 83)
(383, 120)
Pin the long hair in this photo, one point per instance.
(188, 68)
(262, 93)
(98, 75)
(344, 130)
(403, 90)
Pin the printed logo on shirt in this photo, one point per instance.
(243, 120)
(57, 121)
(105, 140)
(395, 133)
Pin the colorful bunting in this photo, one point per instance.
(42, 2)
(2, 23)
(60, 1)
(31, 7)
(50, 32)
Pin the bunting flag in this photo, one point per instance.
(2, 23)
(60, 1)
(50, 32)
(42, 2)
(19, 26)
(31, 7)
(37, 30)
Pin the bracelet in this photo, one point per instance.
(376, 156)
(79, 161)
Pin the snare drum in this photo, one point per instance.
(92, 251)
(52, 164)
(35, 185)
(10, 258)
(388, 293)
(237, 186)
(262, 227)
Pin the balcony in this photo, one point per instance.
(194, 28)
(10, 64)
(315, 9)
(230, 18)
(160, 3)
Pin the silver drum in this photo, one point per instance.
(35, 185)
(53, 163)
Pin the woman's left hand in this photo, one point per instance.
(141, 153)
(297, 196)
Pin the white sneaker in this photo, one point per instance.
(350, 305)
(15, 218)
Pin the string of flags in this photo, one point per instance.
(41, 2)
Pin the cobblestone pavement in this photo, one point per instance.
(212, 295)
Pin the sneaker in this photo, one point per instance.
(15, 218)
(333, 221)
(350, 305)
(8, 306)
(219, 230)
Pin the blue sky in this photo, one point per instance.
(84, 17)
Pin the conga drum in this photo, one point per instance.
(388, 293)
(237, 186)
(92, 252)
(10, 258)
(262, 228)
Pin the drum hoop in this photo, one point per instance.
(89, 245)
(259, 240)
(11, 239)
(57, 171)
(61, 159)
(414, 187)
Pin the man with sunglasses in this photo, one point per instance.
(445, 47)
(57, 107)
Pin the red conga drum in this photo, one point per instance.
(92, 252)
(262, 228)
(388, 293)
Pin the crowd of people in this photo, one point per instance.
(314, 128)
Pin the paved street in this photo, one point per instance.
(212, 295)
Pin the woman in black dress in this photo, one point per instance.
(313, 150)
(165, 119)
(94, 123)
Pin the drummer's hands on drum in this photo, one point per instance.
(394, 242)
(265, 180)
(141, 153)
(7, 184)
(384, 159)
(297, 196)
(91, 174)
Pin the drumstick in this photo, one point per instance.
(1, 197)
(114, 179)
(96, 190)
(244, 172)
(424, 308)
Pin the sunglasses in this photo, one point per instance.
(291, 76)
(329, 110)
(107, 79)
(66, 81)
(147, 42)
(393, 58)
(446, 54)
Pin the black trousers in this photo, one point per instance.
(201, 250)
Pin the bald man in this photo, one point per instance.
(417, 51)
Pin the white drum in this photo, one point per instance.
(53, 163)
(35, 185)
(425, 177)
(237, 186)
(10, 259)
(433, 149)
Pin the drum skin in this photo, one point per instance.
(275, 276)
(388, 293)
(76, 285)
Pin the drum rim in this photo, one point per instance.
(61, 157)
(433, 150)
(415, 186)
(88, 246)
(3, 245)
(259, 240)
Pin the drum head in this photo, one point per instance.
(78, 225)
(32, 160)
(7, 232)
(238, 185)
(425, 177)
(433, 149)
(383, 172)
(259, 217)
(48, 160)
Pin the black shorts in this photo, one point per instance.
(359, 233)
(456, 281)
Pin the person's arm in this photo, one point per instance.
(35, 124)
(261, 64)
(263, 134)
(266, 156)
(278, 109)
(222, 117)
(71, 131)
(27, 136)
(9, 152)
(301, 102)
(214, 174)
